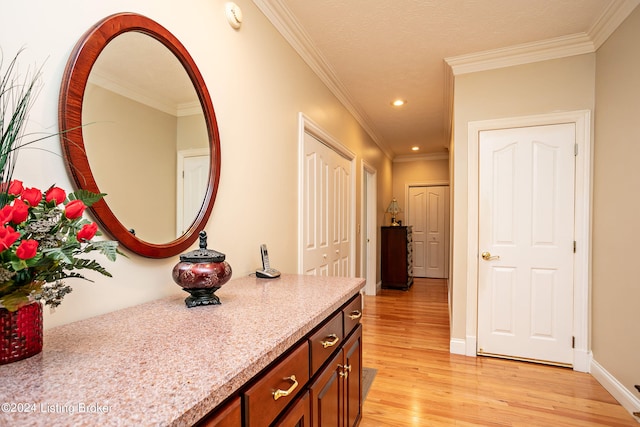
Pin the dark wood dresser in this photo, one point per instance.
(397, 257)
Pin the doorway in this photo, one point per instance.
(428, 214)
(581, 121)
(327, 204)
(526, 235)
(369, 228)
(193, 179)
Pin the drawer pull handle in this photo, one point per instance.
(333, 340)
(284, 393)
(356, 314)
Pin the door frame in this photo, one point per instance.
(306, 125)
(582, 223)
(369, 221)
(447, 237)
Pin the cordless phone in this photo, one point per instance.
(267, 272)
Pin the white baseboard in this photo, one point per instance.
(582, 360)
(457, 346)
(619, 392)
(464, 347)
(472, 346)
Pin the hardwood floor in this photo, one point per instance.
(419, 383)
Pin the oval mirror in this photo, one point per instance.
(137, 123)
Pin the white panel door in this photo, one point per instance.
(418, 220)
(192, 187)
(526, 234)
(327, 204)
(428, 207)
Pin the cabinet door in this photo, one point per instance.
(299, 415)
(353, 380)
(228, 416)
(326, 395)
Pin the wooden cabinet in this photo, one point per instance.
(318, 382)
(336, 394)
(269, 395)
(229, 415)
(336, 391)
(298, 415)
(353, 382)
(397, 257)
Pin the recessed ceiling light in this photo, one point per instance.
(398, 102)
(415, 148)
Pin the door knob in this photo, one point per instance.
(488, 257)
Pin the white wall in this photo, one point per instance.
(258, 84)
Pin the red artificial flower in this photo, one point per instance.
(56, 194)
(20, 211)
(27, 249)
(87, 231)
(6, 214)
(32, 196)
(8, 237)
(15, 188)
(74, 209)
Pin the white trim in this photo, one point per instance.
(619, 392)
(305, 124)
(582, 274)
(457, 346)
(365, 216)
(615, 13)
(417, 157)
(559, 47)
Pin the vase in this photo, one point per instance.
(201, 273)
(20, 333)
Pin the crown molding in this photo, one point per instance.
(419, 157)
(613, 16)
(286, 24)
(558, 47)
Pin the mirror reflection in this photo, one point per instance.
(146, 137)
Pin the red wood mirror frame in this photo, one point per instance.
(72, 91)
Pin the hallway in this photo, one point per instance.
(419, 383)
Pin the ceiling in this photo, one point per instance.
(370, 52)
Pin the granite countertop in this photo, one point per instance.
(161, 363)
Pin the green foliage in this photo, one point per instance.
(87, 197)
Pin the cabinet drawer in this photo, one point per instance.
(352, 314)
(325, 340)
(266, 398)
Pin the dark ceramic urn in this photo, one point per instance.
(201, 273)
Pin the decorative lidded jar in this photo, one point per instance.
(202, 272)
